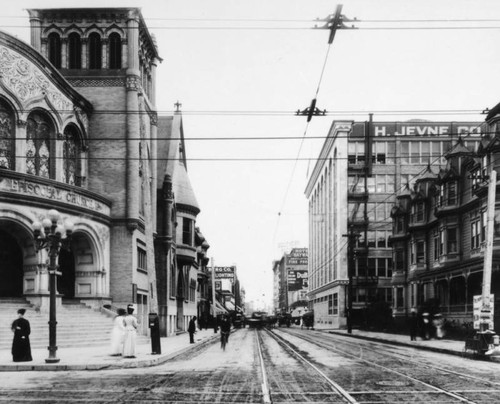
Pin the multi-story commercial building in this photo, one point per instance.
(351, 191)
(439, 232)
(78, 132)
(290, 281)
(276, 286)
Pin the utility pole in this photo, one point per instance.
(486, 303)
(352, 236)
(214, 307)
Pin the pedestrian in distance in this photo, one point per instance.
(426, 326)
(130, 325)
(413, 326)
(118, 334)
(225, 330)
(192, 329)
(21, 348)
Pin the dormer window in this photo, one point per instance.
(448, 194)
(418, 212)
(400, 224)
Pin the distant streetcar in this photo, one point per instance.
(258, 319)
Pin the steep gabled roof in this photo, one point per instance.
(172, 156)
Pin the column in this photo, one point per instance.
(154, 165)
(152, 96)
(44, 48)
(36, 30)
(64, 53)
(85, 63)
(59, 160)
(124, 53)
(105, 47)
(133, 84)
(20, 147)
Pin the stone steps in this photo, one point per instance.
(77, 325)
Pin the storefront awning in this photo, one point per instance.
(219, 308)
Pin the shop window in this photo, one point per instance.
(74, 51)
(335, 303)
(95, 51)
(7, 155)
(115, 51)
(55, 50)
(39, 132)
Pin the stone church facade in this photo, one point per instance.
(78, 131)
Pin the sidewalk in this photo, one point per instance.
(447, 346)
(98, 358)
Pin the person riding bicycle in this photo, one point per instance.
(225, 328)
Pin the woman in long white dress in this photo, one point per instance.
(118, 334)
(130, 324)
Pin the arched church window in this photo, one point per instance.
(71, 152)
(39, 132)
(95, 51)
(7, 157)
(75, 51)
(55, 50)
(115, 51)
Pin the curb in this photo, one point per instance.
(408, 345)
(141, 363)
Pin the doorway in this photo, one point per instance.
(11, 268)
(66, 281)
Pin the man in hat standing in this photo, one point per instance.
(21, 349)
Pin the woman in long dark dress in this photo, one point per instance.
(21, 349)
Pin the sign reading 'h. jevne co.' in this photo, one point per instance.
(420, 129)
(50, 192)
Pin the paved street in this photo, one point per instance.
(287, 365)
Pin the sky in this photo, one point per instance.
(241, 69)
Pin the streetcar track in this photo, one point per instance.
(434, 389)
(409, 358)
(337, 388)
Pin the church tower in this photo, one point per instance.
(109, 56)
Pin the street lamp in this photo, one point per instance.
(49, 235)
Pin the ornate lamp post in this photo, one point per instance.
(49, 235)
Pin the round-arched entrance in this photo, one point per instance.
(66, 281)
(11, 268)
